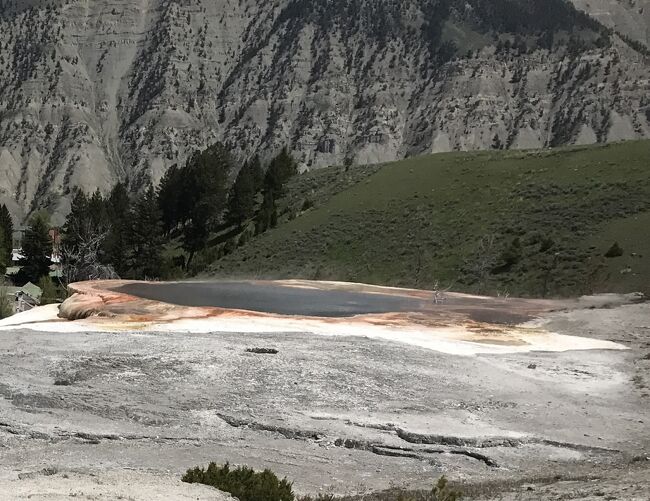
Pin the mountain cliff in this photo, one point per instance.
(96, 91)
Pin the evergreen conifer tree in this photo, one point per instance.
(146, 236)
(204, 196)
(280, 170)
(4, 259)
(241, 201)
(118, 206)
(37, 248)
(77, 224)
(7, 231)
(170, 192)
(267, 216)
(257, 173)
(97, 212)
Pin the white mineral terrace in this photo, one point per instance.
(433, 330)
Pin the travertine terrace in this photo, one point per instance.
(124, 400)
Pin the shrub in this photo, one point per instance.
(6, 309)
(307, 204)
(243, 483)
(51, 293)
(442, 491)
(614, 251)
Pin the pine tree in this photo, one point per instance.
(118, 206)
(146, 236)
(257, 173)
(280, 170)
(77, 224)
(203, 196)
(7, 231)
(4, 259)
(50, 293)
(37, 248)
(241, 201)
(169, 197)
(267, 216)
(97, 212)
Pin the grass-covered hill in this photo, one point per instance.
(523, 223)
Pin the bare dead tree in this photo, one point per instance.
(484, 261)
(82, 261)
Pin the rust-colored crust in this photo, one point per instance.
(482, 319)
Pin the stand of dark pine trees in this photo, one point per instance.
(118, 235)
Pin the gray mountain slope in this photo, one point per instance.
(96, 91)
(630, 17)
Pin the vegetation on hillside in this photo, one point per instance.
(534, 223)
(158, 234)
(543, 25)
(243, 483)
(539, 223)
(6, 238)
(6, 306)
(37, 249)
(246, 484)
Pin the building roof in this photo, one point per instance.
(17, 255)
(31, 290)
(12, 270)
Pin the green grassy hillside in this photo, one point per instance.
(523, 223)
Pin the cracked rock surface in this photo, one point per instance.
(81, 412)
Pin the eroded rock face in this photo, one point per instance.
(94, 92)
(630, 17)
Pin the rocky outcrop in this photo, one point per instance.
(629, 17)
(96, 91)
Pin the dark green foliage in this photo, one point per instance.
(258, 174)
(169, 197)
(241, 200)
(530, 16)
(509, 257)
(193, 206)
(307, 204)
(546, 245)
(6, 235)
(97, 211)
(146, 236)
(6, 304)
(51, 293)
(248, 485)
(84, 237)
(79, 222)
(195, 197)
(4, 256)
(440, 492)
(282, 168)
(614, 251)
(267, 215)
(635, 44)
(116, 244)
(242, 482)
(381, 22)
(565, 206)
(37, 248)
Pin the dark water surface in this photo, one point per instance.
(274, 298)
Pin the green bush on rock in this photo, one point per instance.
(248, 485)
(243, 483)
